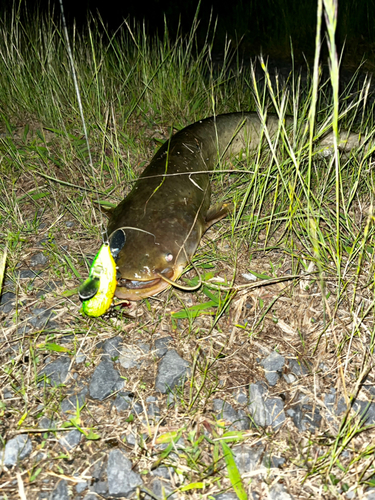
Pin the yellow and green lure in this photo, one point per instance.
(98, 290)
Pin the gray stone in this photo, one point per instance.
(28, 273)
(276, 415)
(242, 398)
(297, 367)
(105, 380)
(334, 408)
(265, 411)
(273, 462)
(70, 439)
(7, 301)
(129, 357)
(145, 348)
(56, 372)
(101, 488)
(153, 411)
(271, 377)
(17, 449)
(289, 378)
(8, 393)
(172, 370)
(165, 472)
(273, 362)
(161, 346)
(365, 410)
(257, 406)
(60, 491)
(238, 419)
(123, 400)
(370, 494)
(47, 287)
(162, 489)
(41, 318)
(247, 458)
(228, 495)
(279, 492)
(38, 259)
(73, 403)
(81, 486)
(122, 481)
(47, 423)
(90, 496)
(111, 347)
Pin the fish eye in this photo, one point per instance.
(169, 257)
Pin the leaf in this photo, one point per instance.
(261, 276)
(53, 347)
(192, 486)
(69, 293)
(92, 435)
(37, 196)
(168, 437)
(233, 472)
(194, 311)
(72, 267)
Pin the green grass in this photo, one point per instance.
(296, 214)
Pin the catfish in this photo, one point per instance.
(156, 229)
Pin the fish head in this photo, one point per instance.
(143, 261)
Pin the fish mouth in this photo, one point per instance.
(137, 289)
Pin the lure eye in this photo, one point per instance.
(169, 257)
(117, 242)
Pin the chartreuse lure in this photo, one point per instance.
(98, 290)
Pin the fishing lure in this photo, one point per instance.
(98, 290)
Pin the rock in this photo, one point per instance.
(74, 402)
(273, 365)
(172, 370)
(297, 367)
(7, 301)
(129, 357)
(56, 372)
(247, 458)
(105, 380)
(228, 495)
(39, 259)
(122, 481)
(265, 411)
(278, 492)
(70, 440)
(273, 362)
(125, 400)
(242, 398)
(238, 420)
(28, 273)
(111, 347)
(161, 346)
(41, 318)
(16, 449)
(60, 491)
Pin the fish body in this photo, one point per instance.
(98, 290)
(156, 229)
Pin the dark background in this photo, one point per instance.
(252, 25)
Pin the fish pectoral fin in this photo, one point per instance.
(217, 212)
